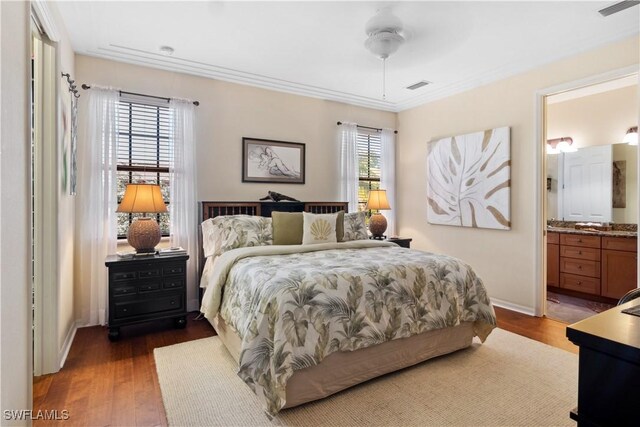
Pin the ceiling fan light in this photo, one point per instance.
(383, 44)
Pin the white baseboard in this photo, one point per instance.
(64, 351)
(513, 307)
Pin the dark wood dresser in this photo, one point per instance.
(609, 371)
(400, 241)
(146, 288)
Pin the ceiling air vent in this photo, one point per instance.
(418, 85)
(615, 8)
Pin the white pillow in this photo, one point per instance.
(223, 233)
(354, 227)
(318, 228)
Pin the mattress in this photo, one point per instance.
(344, 369)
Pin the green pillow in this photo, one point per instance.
(287, 228)
(340, 226)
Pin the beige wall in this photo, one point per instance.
(599, 119)
(66, 202)
(227, 112)
(504, 259)
(15, 253)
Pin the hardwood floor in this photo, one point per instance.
(543, 329)
(115, 384)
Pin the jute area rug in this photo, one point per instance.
(507, 381)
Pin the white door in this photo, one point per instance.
(587, 184)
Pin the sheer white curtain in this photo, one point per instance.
(348, 137)
(96, 203)
(388, 176)
(182, 175)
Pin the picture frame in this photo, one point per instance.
(270, 161)
(469, 180)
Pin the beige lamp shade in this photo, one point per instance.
(142, 198)
(377, 200)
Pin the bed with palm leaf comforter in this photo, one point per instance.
(293, 306)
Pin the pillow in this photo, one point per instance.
(340, 226)
(354, 227)
(319, 228)
(287, 228)
(223, 233)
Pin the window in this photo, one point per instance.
(144, 144)
(369, 151)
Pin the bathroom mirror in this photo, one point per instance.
(600, 184)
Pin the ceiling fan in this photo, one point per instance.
(618, 7)
(384, 38)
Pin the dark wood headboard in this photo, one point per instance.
(213, 209)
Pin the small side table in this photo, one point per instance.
(146, 288)
(400, 241)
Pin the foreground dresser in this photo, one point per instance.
(609, 370)
(145, 289)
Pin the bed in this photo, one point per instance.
(307, 321)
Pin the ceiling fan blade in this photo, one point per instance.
(615, 8)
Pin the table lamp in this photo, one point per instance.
(144, 232)
(377, 222)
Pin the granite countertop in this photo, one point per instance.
(612, 233)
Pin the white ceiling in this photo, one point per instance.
(316, 48)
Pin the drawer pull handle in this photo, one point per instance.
(579, 240)
(124, 310)
(579, 283)
(173, 302)
(579, 267)
(579, 252)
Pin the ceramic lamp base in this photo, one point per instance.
(144, 235)
(377, 225)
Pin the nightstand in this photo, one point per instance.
(146, 288)
(400, 241)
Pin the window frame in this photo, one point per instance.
(371, 180)
(131, 168)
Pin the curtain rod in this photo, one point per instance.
(72, 85)
(86, 87)
(368, 127)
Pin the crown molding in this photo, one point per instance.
(181, 65)
(202, 69)
(42, 10)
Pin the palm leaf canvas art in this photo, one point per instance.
(469, 180)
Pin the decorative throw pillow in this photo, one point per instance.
(287, 228)
(319, 228)
(354, 227)
(223, 233)
(340, 226)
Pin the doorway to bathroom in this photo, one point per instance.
(591, 201)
